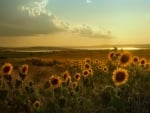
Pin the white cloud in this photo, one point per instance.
(87, 31)
(36, 8)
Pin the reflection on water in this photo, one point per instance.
(81, 48)
(123, 48)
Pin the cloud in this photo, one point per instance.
(19, 18)
(31, 17)
(87, 31)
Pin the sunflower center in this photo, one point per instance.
(120, 76)
(6, 69)
(85, 72)
(87, 66)
(111, 55)
(65, 76)
(55, 81)
(124, 59)
(135, 59)
(24, 69)
(142, 62)
(77, 76)
(37, 105)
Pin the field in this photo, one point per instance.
(75, 81)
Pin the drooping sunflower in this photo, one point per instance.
(65, 76)
(55, 81)
(23, 71)
(125, 59)
(25, 68)
(117, 54)
(77, 76)
(120, 76)
(111, 55)
(7, 69)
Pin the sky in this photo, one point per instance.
(74, 22)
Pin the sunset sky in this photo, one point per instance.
(74, 22)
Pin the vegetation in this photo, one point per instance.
(75, 82)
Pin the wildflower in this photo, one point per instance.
(55, 81)
(7, 69)
(125, 59)
(120, 76)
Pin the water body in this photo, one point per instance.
(93, 48)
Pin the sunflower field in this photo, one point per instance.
(120, 83)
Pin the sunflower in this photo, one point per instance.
(7, 69)
(143, 61)
(37, 104)
(120, 76)
(100, 67)
(25, 68)
(111, 55)
(85, 73)
(90, 71)
(105, 69)
(117, 54)
(55, 81)
(125, 59)
(96, 61)
(135, 59)
(23, 71)
(65, 76)
(147, 65)
(74, 84)
(69, 80)
(87, 60)
(87, 66)
(77, 76)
